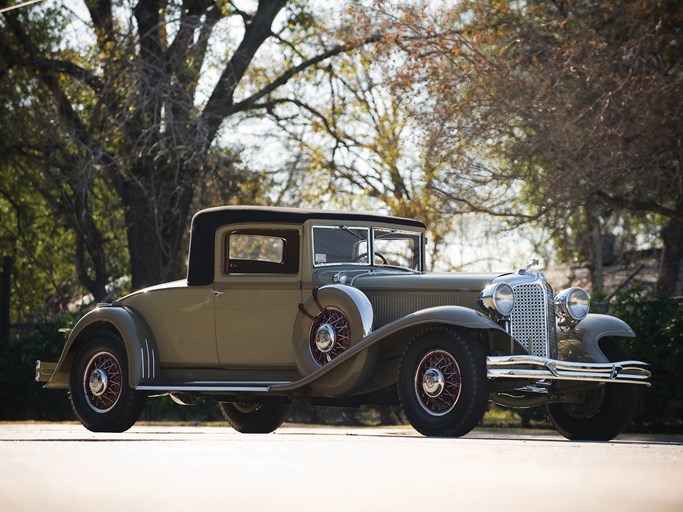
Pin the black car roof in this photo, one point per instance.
(205, 223)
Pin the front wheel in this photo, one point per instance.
(442, 383)
(100, 395)
(254, 417)
(599, 414)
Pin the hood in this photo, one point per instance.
(446, 282)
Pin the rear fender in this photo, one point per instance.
(141, 349)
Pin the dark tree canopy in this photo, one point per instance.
(128, 116)
(563, 113)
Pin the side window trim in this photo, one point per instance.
(290, 261)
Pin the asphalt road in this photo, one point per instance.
(63, 467)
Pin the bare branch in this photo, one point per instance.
(281, 80)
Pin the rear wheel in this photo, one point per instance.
(442, 383)
(254, 417)
(100, 395)
(598, 414)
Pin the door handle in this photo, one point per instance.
(217, 293)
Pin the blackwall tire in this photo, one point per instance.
(603, 413)
(442, 383)
(254, 417)
(348, 313)
(99, 391)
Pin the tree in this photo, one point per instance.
(360, 146)
(131, 108)
(566, 109)
(608, 116)
(41, 244)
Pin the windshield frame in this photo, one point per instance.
(320, 258)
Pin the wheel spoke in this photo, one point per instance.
(102, 382)
(438, 382)
(342, 336)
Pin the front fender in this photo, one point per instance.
(141, 349)
(333, 374)
(581, 343)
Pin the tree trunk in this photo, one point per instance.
(670, 262)
(595, 249)
(156, 225)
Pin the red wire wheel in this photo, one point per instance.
(332, 321)
(442, 382)
(99, 387)
(438, 382)
(102, 381)
(330, 336)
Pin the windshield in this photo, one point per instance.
(335, 245)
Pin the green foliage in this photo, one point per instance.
(37, 268)
(114, 118)
(21, 397)
(659, 328)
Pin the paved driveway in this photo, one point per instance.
(63, 467)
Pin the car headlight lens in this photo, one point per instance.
(498, 298)
(572, 304)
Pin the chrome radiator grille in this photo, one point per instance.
(532, 322)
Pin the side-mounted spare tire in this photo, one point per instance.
(331, 320)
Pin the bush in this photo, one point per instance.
(658, 325)
(21, 397)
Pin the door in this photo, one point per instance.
(257, 297)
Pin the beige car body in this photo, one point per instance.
(244, 336)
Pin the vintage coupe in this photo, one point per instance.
(335, 309)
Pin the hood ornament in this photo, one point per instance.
(533, 262)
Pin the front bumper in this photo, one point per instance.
(538, 368)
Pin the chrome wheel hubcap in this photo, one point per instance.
(98, 382)
(325, 338)
(433, 382)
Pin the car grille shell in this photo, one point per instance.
(532, 321)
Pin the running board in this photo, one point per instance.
(213, 387)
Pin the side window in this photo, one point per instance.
(262, 252)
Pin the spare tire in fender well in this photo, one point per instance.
(330, 320)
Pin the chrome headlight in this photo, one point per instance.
(498, 298)
(572, 305)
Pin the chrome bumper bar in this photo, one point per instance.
(537, 368)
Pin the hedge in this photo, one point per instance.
(659, 328)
